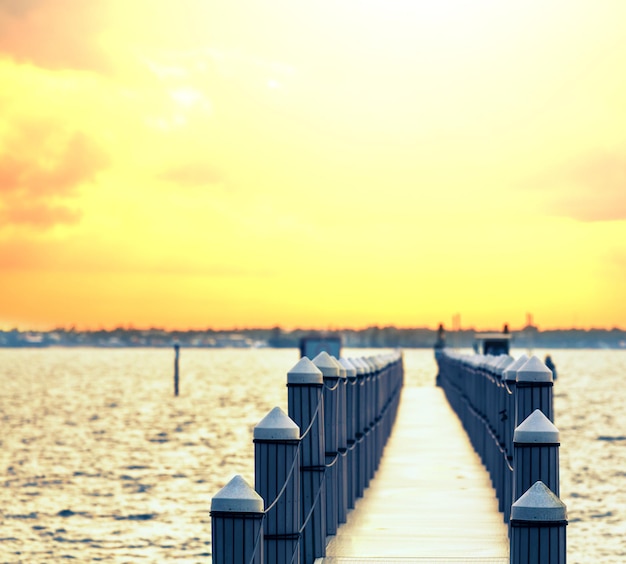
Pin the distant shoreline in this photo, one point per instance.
(372, 337)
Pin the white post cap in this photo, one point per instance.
(342, 370)
(539, 503)
(486, 362)
(237, 497)
(350, 368)
(361, 367)
(370, 363)
(534, 370)
(276, 425)
(305, 372)
(504, 360)
(377, 362)
(327, 365)
(476, 361)
(510, 372)
(536, 428)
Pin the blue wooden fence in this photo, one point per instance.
(506, 407)
(310, 465)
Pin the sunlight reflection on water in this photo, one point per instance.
(101, 463)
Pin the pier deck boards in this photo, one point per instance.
(431, 499)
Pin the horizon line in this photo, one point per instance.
(130, 328)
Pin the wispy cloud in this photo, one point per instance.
(41, 169)
(40, 215)
(62, 34)
(18, 8)
(193, 174)
(593, 189)
(33, 253)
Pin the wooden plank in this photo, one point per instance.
(430, 499)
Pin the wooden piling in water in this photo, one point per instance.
(176, 359)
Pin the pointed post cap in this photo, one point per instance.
(487, 362)
(534, 370)
(375, 362)
(237, 497)
(475, 361)
(366, 365)
(276, 426)
(509, 374)
(305, 372)
(504, 360)
(350, 368)
(342, 371)
(361, 368)
(370, 363)
(327, 365)
(539, 503)
(536, 428)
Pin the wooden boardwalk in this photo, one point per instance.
(431, 499)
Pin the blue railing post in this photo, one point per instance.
(362, 373)
(351, 417)
(370, 419)
(391, 384)
(306, 409)
(342, 442)
(501, 424)
(533, 390)
(380, 396)
(277, 480)
(536, 454)
(237, 524)
(330, 372)
(538, 522)
(509, 376)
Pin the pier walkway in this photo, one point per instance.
(431, 499)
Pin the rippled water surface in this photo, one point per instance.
(101, 463)
(589, 412)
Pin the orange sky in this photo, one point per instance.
(321, 164)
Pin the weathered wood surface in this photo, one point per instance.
(431, 499)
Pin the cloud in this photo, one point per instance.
(39, 214)
(193, 175)
(599, 192)
(79, 255)
(618, 258)
(17, 8)
(41, 169)
(589, 189)
(59, 34)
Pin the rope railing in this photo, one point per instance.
(309, 481)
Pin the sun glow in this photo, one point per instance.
(332, 163)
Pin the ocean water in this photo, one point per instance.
(99, 461)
